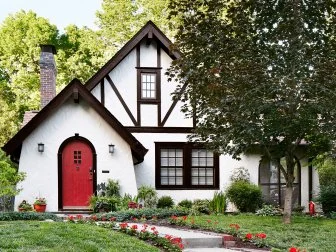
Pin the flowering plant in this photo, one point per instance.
(40, 201)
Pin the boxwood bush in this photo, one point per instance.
(13, 216)
(165, 202)
(246, 196)
(147, 213)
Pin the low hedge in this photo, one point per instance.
(147, 213)
(13, 216)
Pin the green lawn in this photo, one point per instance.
(59, 236)
(305, 232)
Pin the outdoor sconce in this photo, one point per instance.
(40, 147)
(111, 148)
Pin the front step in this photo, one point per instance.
(66, 213)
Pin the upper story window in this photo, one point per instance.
(149, 81)
(148, 85)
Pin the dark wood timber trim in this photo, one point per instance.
(160, 129)
(102, 92)
(158, 64)
(59, 157)
(128, 111)
(170, 110)
(128, 47)
(13, 146)
(138, 56)
(75, 95)
(187, 147)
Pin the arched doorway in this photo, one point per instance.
(77, 173)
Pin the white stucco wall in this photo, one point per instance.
(96, 92)
(42, 168)
(148, 54)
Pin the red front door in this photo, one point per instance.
(77, 175)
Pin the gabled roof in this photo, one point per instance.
(76, 90)
(147, 31)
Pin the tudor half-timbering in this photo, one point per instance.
(124, 124)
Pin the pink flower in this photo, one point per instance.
(113, 219)
(249, 236)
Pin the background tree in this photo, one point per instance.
(259, 73)
(9, 177)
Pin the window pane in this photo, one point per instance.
(148, 85)
(164, 181)
(179, 181)
(209, 171)
(210, 161)
(201, 172)
(268, 173)
(194, 162)
(179, 162)
(194, 180)
(270, 194)
(202, 162)
(194, 172)
(164, 161)
(164, 172)
(164, 153)
(171, 162)
(171, 172)
(202, 180)
(209, 180)
(172, 181)
(179, 172)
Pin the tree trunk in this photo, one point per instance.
(288, 204)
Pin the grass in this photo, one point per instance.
(312, 234)
(59, 236)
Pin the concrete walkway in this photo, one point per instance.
(199, 241)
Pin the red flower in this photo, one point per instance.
(261, 235)
(249, 236)
(103, 218)
(168, 237)
(71, 218)
(94, 217)
(153, 228)
(208, 221)
(181, 246)
(123, 225)
(134, 227)
(113, 219)
(134, 219)
(292, 249)
(184, 217)
(79, 216)
(174, 217)
(156, 232)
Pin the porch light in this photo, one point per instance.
(40, 147)
(111, 148)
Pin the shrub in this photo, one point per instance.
(201, 206)
(13, 216)
(185, 203)
(327, 197)
(148, 195)
(148, 213)
(104, 203)
(269, 210)
(165, 202)
(218, 203)
(112, 188)
(246, 196)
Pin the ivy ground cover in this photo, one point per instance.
(59, 236)
(307, 233)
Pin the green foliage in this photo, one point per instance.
(327, 197)
(165, 202)
(246, 196)
(326, 167)
(185, 203)
(112, 188)
(9, 177)
(218, 203)
(148, 195)
(258, 72)
(24, 206)
(104, 203)
(269, 210)
(201, 206)
(14, 216)
(148, 213)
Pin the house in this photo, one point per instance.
(124, 124)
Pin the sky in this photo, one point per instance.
(60, 12)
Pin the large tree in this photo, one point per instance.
(259, 74)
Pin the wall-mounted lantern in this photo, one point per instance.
(40, 147)
(111, 148)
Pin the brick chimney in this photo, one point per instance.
(48, 74)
